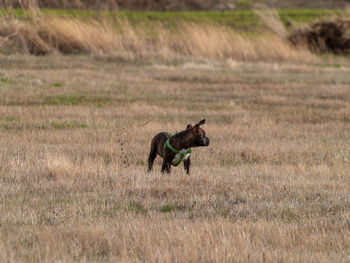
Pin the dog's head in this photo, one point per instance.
(198, 134)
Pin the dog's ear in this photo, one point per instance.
(189, 126)
(194, 129)
(200, 123)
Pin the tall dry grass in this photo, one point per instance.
(272, 20)
(68, 35)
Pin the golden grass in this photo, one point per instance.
(272, 20)
(68, 35)
(272, 186)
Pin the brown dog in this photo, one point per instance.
(177, 148)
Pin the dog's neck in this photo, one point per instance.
(182, 140)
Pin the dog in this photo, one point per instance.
(177, 148)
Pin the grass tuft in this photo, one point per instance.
(57, 85)
(9, 119)
(136, 207)
(75, 100)
(4, 80)
(65, 125)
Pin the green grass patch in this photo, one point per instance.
(65, 125)
(136, 207)
(169, 208)
(66, 100)
(8, 123)
(9, 119)
(77, 100)
(239, 19)
(4, 80)
(306, 16)
(166, 208)
(11, 127)
(57, 85)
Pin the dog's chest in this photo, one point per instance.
(178, 156)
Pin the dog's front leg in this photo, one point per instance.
(187, 164)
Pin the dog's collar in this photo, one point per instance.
(182, 154)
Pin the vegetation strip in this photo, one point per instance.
(240, 19)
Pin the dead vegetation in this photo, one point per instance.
(324, 37)
(75, 134)
(47, 35)
(44, 34)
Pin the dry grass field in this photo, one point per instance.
(273, 186)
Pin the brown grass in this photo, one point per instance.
(272, 20)
(75, 134)
(70, 36)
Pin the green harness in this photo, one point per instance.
(182, 154)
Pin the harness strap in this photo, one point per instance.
(182, 154)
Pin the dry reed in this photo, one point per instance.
(69, 36)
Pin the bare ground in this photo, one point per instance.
(74, 138)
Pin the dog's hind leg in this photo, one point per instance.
(151, 157)
(166, 166)
(187, 164)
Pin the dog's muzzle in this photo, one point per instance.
(206, 142)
